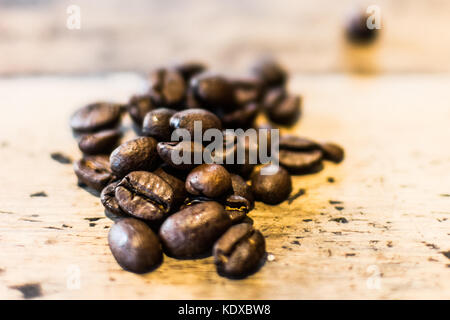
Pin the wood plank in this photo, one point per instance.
(393, 187)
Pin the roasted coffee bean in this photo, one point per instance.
(189, 69)
(296, 143)
(145, 195)
(139, 106)
(271, 188)
(241, 201)
(209, 180)
(332, 152)
(213, 92)
(185, 120)
(286, 112)
(247, 90)
(274, 97)
(167, 87)
(357, 30)
(101, 142)
(193, 230)
(239, 251)
(95, 117)
(134, 245)
(156, 124)
(109, 201)
(181, 155)
(241, 118)
(270, 72)
(177, 184)
(300, 161)
(94, 171)
(134, 155)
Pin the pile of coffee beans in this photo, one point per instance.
(189, 209)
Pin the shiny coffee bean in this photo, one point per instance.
(167, 87)
(247, 90)
(138, 107)
(241, 201)
(177, 184)
(156, 124)
(300, 161)
(241, 118)
(181, 155)
(239, 251)
(296, 143)
(357, 31)
(94, 171)
(101, 142)
(209, 180)
(109, 201)
(95, 117)
(213, 92)
(332, 152)
(273, 188)
(193, 230)
(186, 119)
(270, 72)
(134, 155)
(145, 195)
(134, 245)
(286, 112)
(189, 69)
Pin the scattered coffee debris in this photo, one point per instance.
(66, 226)
(339, 208)
(298, 194)
(29, 291)
(93, 219)
(335, 202)
(331, 180)
(105, 227)
(389, 244)
(92, 224)
(339, 220)
(296, 242)
(61, 158)
(53, 228)
(307, 220)
(38, 194)
(338, 233)
(431, 245)
(350, 254)
(29, 220)
(446, 253)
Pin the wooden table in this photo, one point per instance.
(393, 190)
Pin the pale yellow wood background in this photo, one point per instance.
(395, 130)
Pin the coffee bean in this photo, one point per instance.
(286, 112)
(189, 69)
(193, 230)
(185, 120)
(273, 188)
(156, 124)
(247, 90)
(241, 201)
(145, 195)
(300, 161)
(241, 118)
(94, 171)
(332, 152)
(174, 154)
(101, 142)
(134, 155)
(239, 250)
(209, 180)
(213, 92)
(177, 183)
(109, 201)
(167, 87)
(138, 107)
(357, 30)
(270, 72)
(296, 143)
(95, 117)
(134, 245)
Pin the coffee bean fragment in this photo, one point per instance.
(94, 171)
(332, 152)
(145, 195)
(101, 142)
(239, 250)
(193, 230)
(134, 245)
(271, 188)
(134, 155)
(156, 124)
(209, 180)
(95, 117)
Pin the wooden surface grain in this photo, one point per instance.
(393, 189)
(141, 34)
